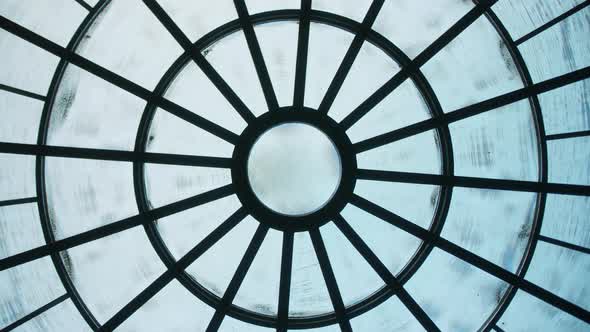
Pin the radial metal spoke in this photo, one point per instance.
(552, 22)
(114, 155)
(172, 272)
(22, 92)
(330, 279)
(285, 283)
(564, 244)
(302, 49)
(498, 329)
(200, 60)
(35, 313)
(117, 80)
(84, 4)
(350, 56)
(18, 201)
(574, 134)
(473, 259)
(473, 182)
(238, 277)
(115, 227)
(257, 57)
(433, 49)
(385, 274)
(473, 110)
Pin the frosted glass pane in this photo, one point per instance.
(559, 271)
(540, 316)
(63, 317)
(27, 287)
(412, 26)
(278, 43)
(77, 190)
(477, 63)
(19, 118)
(521, 17)
(60, 26)
(497, 144)
(494, 224)
(355, 10)
(90, 112)
(568, 159)
(327, 46)
(174, 308)
(110, 272)
(564, 48)
(474, 293)
(369, 71)
(566, 109)
(31, 68)
(20, 229)
(566, 219)
(17, 176)
(119, 41)
(391, 315)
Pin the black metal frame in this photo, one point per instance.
(394, 285)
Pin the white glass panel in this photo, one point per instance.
(456, 295)
(90, 112)
(412, 26)
(27, 287)
(391, 316)
(370, 70)
(63, 317)
(217, 266)
(392, 246)
(521, 17)
(110, 272)
(170, 134)
(413, 202)
(56, 20)
(568, 160)
(184, 230)
(257, 6)
(196, 18)
(195, 92)
(136, 46)
(31, 68)
(230, 324)
(498, 144)
(172, 309)
(560, 270)
(356, 279)
(19, 118)
(309, 295)
(566, 219)
(167, 184)
(473, 67)
(403, 107)
(352, 9)
(566, 109)
(17, 176)
(259, 291)
(327, 46)
(278, 42)
(231, 58)
(85, 194)
(20, 229)
(494, 224)
(527, 313)
(419, 153)
(560, 49)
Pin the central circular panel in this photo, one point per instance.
(294, 169)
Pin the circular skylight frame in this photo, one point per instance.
(448, 181)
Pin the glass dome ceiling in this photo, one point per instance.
(450, 190)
